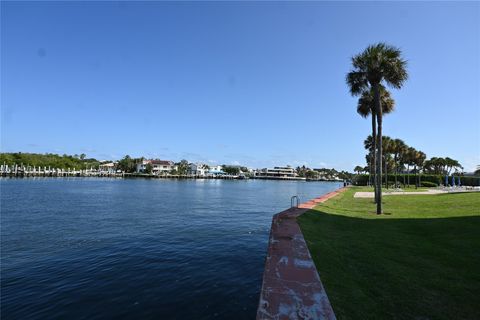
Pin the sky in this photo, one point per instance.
(259, 84)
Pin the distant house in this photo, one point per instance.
(327, 174)
(217, 168)
(216, 171)
(158, 166)
(277, 172)
(198, 169)
(107, 168)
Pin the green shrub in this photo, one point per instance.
(469, 181)
(428, 184)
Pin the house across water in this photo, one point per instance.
(278, 173)
(158, 166)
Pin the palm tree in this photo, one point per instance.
(452, 164)
(409, 160)
(402, 161)
(433, 165)
(377, 64)
(399, 147)
(387, 149)
(477, 172)
(368, 168)
(366, 107)
(358, 169)
(418, 161)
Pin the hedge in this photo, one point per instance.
(362, 179)
(428, 184)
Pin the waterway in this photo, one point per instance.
(98, 248)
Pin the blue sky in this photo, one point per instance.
(255, 83)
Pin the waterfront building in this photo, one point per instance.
(158, 166)
(107, 168)
(327, 174)
(198, 169)
(277, 172)
(215, 170)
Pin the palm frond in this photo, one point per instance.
(395, 73)
(365, 103)
(357, 82)
(387, 102)
(368, 143)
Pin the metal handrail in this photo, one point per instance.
(292, 199)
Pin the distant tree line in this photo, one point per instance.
(49, 160)
(231, 170)
(325, 173)
(398, 157)
(234, 170)
(128, 164)
(422, 179)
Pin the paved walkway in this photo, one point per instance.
(403, 193)
(396, 193)
(291, 286)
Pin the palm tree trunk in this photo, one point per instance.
(374, 160)
(378, 107)
(419, 178)
(408, 174)
(416, 183)
(371, 172)
(396, 170)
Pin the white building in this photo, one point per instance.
(107, 168)
(158, 166)
(198, 169)
(277, 172)
(215, 170)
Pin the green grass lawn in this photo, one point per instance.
(420, 260)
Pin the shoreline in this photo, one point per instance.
(77, 174)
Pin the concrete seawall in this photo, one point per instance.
(291, 287)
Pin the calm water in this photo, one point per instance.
(137, 249)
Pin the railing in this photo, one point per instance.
(293, 200)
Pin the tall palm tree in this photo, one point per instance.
(379, 63)
(365, 108)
